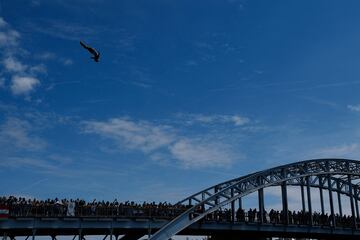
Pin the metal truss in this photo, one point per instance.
(334, 175)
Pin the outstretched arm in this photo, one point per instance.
(83, 45)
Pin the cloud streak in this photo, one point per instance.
(162, 142)
(19, 133)
(354, 108)
(235, 120)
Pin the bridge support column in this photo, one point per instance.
(33, 234)
(302, 196)
(356, 202)
(4, 236)
(80, 237)
(261, 204)
(240, 203)
(352, 201)
(309, 199)
(321, 183)
(339, 198)
(285, 202)
(331, 202)
(232, 207)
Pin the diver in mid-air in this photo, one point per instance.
(93, 51)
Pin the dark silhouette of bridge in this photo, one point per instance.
(218, 210)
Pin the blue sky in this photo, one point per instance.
(186, 94)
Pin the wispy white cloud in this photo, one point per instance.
(50, 56)
(12, 64)
(163, 143)
(67, 61)
(8, 37)
(236, 120)
(19, 133)
(344, 150)
(23, 77)
(65, 30)
(38, 69)
(46, 56)
(200, 153)
(19, 162)
(355, 108)
(134, 135)
(23, 85)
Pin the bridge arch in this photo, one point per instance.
(335, 175)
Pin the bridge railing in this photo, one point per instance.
(95, 211)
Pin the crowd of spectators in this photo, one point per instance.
(80, 208)
(22, 207)
(278, 217)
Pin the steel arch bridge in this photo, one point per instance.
(330, 176)
(334, 175)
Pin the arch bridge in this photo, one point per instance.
(218, 210)
(332, 175)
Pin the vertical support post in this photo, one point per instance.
(5, 236)
(308, 191)
(356, 189)
(80, 234)
(352, 202)
(284, 199)
(149, 228)
(111, 233)
(33, 234)
(216, 198)
(331, 202)
(285, 202)
(339, 197)
(232, 207)
(303, 196)
(240, 203)
(321, 183)
(261, 204)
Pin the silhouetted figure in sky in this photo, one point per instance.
(93, 51)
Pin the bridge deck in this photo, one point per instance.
(123, 226)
